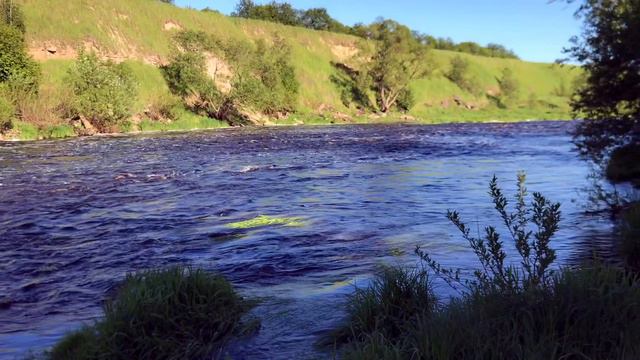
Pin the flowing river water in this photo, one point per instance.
(77, 215)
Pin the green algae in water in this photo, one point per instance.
(265, 220)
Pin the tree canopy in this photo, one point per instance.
(397, 59)
(320, 19)
(609, 49)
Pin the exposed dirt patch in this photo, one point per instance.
(171, 25)
(52, 50)
(220, 72)
(344, 52)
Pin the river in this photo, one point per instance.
(77, 215)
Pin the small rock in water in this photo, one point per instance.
(249, 168)
(124, 176)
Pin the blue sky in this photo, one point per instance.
(536, 30)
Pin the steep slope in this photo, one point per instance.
(140, 31)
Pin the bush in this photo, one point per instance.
(103, 92)
(623, 164)
(7, 113)
(354, 86)
(187, 77)
(163, 107)
(179, 313)
(263, 81)
(459, 75)
(508, 87)
(17, 70)
(266, 80)
(532, 245)
(406, 100)
(591, 311)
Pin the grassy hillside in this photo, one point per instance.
(140, 32)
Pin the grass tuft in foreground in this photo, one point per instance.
(178, 313)
(591, 313)
(524, 311)
(395, 298)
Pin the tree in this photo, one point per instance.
(187, 77)
(497, 50)
(11, 14)
(282, 13)
(609, 100)
(317, 19)
(380, 80)
(398, 59)
(244, 9)
(17, 68)
(264, 78)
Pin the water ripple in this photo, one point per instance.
(77, 215)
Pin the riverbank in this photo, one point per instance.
(24, 131)
(543, 90)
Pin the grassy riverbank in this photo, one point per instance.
(140, 33)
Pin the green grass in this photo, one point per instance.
(134, 30)
(265, 220)
(185, 121)
(591, 313)
(29, 131)
(26, 131)
(178, 313)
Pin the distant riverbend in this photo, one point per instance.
(294, 215)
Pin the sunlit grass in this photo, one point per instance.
(27, 131)
(136, 30)
(265, 220)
